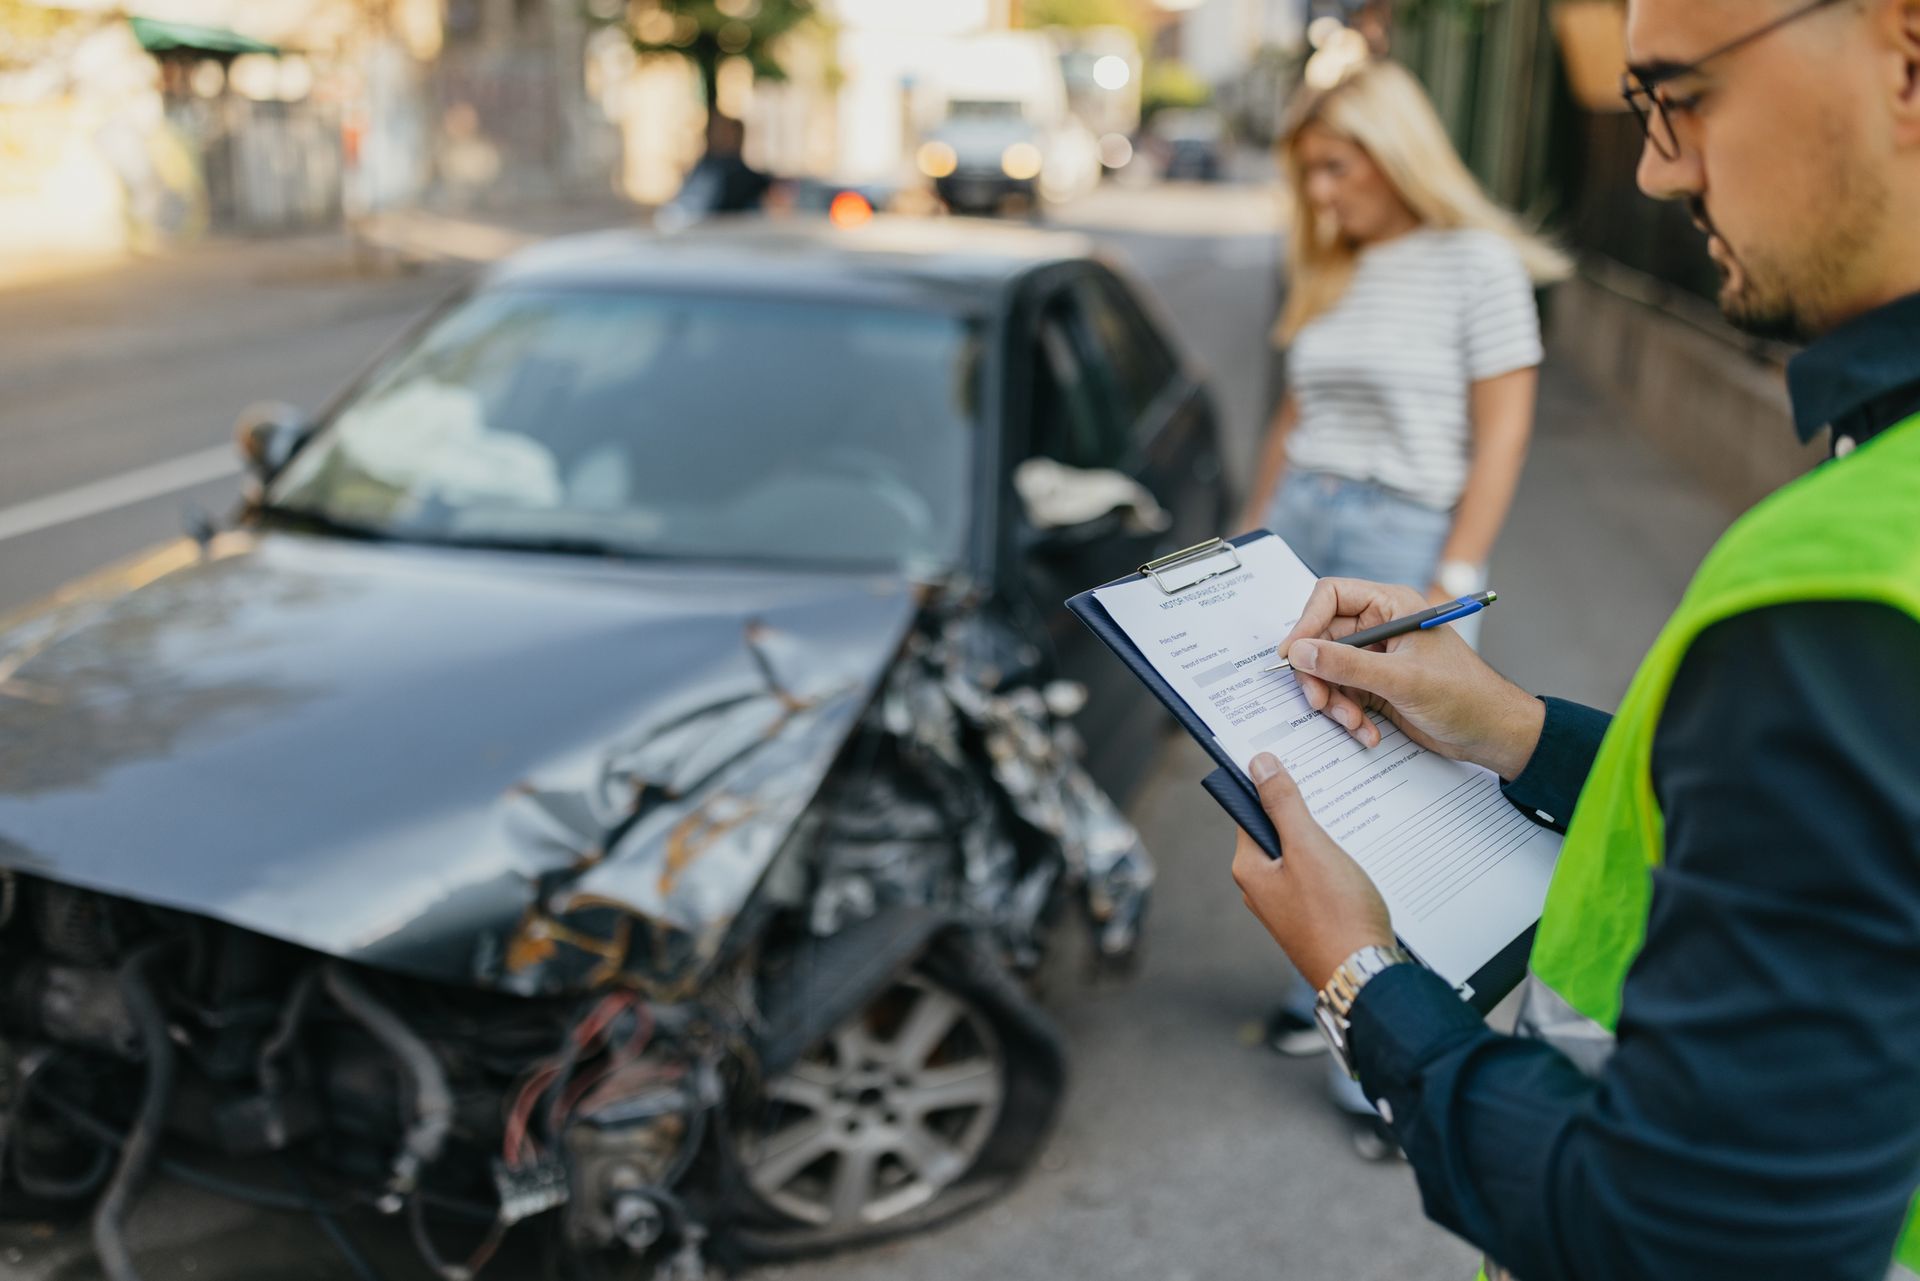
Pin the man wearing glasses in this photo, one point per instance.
(1716, 1072)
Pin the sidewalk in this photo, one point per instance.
(1605, 535)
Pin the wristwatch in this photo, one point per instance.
(1336, 999)
(1459, 578)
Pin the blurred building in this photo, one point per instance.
(1222, 40)
(1246, 53)
(127, 130)
(512, 113)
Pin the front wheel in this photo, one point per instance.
(884, 1117)
(936, 1095)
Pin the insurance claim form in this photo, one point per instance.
(1463, 872)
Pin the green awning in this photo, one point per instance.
(156, 36)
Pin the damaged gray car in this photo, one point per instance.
(597, 810)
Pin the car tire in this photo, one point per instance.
(932, 1098)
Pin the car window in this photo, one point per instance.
(1072, 419)
(1133, 363)
(664, 424)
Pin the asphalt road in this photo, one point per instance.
(1185, 1152)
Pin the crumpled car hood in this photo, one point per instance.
(530, 772)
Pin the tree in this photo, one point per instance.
(708, 32)
(1081, 14)
(28, 32)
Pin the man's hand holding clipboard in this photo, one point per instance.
(1395, 815)
(1317, 902)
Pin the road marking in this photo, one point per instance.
(124, 490)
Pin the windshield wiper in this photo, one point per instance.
(552, 544)
(319, 522)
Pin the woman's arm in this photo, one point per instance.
(1502, 411)
(1273, 461)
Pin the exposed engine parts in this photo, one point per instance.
(759, 998)
(593, 1137)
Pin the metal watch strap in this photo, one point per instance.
(1354, 972)
(1335, 1000)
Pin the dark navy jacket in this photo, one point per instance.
(1760, 1117)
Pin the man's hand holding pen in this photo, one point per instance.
(1319, 904)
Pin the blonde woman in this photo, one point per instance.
(1413, 352)
(1413, 345)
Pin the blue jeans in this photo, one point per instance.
(1353, 529)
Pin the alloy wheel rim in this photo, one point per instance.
(888, 1112)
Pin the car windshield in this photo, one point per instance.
(662, 425)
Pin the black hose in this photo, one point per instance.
(116, 1261)
(281, 1040)
(53, 1187)
(46, 1187)
(110, 1140)
(432, 1099)
(689, 1147)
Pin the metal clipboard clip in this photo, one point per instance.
(1191, 558)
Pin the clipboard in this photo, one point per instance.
(1230, 788)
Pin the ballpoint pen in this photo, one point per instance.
(1451, 611)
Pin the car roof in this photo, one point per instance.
(947, 262)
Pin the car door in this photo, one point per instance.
(1108, 393)
(1173, 433)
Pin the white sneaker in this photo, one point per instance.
(1293, 1036)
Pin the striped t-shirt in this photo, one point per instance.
(1381, 379)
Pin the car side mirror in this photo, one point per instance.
(265, 435)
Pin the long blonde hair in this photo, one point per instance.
(1381, 108)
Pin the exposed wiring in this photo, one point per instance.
(516, 1143)
(566, 1094)
(423, 1242)
(553, 1078)
(136, 1154)
(432, 1099)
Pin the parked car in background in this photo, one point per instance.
(985, 157)
(1191, 144)
(599, 801)
(1002, 136)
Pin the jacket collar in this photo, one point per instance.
(1862, 377)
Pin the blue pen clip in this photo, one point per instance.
(1467, 608)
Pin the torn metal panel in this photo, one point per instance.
(927, 826)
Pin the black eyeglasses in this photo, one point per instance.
(1641, 89)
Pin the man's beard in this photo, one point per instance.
(1794, 299)
(1754, 297)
